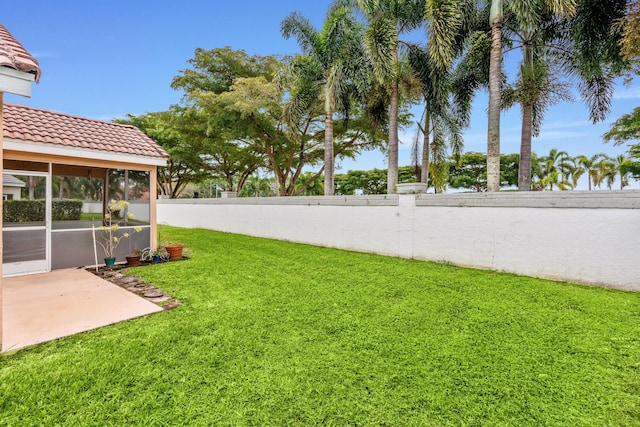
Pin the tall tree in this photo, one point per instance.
(537, 29)
(447, 23)
(336, 54)
(387, 21)
(569, 38)
(496, 19)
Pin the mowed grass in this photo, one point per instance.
(277, 333)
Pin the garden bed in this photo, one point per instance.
(118, 276)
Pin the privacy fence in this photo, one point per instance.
(581, 236)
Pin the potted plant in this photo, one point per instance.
(159, 255)
(134, 258)
(110, 237)
(149, 255)
(174, 250)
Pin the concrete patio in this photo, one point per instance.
(43, 307)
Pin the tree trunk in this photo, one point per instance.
(524, 169)
(328, 154)
(424, 174)
(495, 80)
(392, 171)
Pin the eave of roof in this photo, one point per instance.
(14, 55)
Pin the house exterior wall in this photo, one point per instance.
(586, 237)
(11, 193)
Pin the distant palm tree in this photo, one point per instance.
(307, 186)
(590, 164)
(573, 170)
(553, 170)
(619, 163)
(607, 172)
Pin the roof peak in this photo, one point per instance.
(14, 55)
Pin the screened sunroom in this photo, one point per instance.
(60, 175)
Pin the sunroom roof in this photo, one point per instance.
(34, 125)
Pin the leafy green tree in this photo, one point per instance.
(173, 131)
(258, 107)
(257, 186)
(626, 128)
(307, 186)
(471, 171)
(370, 182)
(217, 69)
(335, 63)
(631, 166)
(573, 171)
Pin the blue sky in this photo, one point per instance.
(107, 59)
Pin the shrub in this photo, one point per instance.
(66, 210)
(34, 210)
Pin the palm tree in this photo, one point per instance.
(447, 24)
(591, 166)
(577, 38)
(306, 186)
(495, 92)
(387, 21)
(553, 170)
(619, 163)
(535, 30)
(335, 52)
(438, 124)
(573, 171)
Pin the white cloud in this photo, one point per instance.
(627, 93)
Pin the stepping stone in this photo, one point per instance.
(153, 294)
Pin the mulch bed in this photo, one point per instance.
(117, 275)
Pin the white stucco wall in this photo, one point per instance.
(587, 237)
(139, 208)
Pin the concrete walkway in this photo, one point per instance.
(43, 307)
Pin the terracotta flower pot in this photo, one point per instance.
(174, 251)
(133, 260)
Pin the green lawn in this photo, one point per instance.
(277, 333)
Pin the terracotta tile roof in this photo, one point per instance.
(14, 55)
(29, 124)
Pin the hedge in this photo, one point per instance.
(34, 210)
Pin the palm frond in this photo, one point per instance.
(381, 42)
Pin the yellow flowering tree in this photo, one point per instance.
(110, 237)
